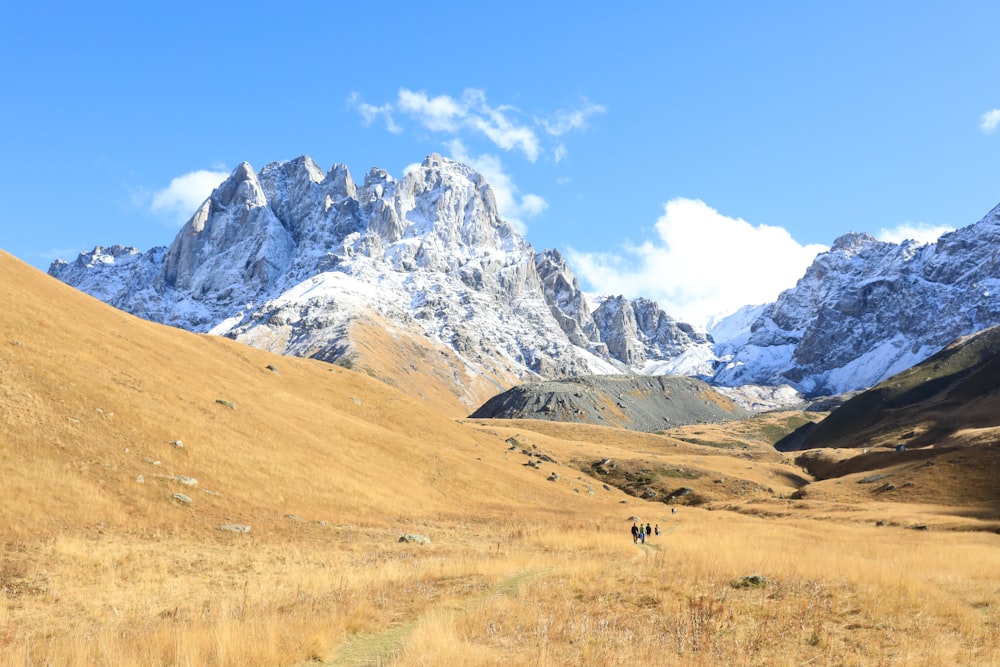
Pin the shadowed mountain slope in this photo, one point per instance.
(951, 398)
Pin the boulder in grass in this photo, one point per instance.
(235, 528)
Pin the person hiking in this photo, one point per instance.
(642, 536)
(649, 530)
(635, 534)
(657, 530)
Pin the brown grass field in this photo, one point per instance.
(762, 564)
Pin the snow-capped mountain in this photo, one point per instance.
(421, 282)
(639, 333)
(866, 310)
(297, 261)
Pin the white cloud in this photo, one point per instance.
(470, 113)
(575, 119)
(472, 116)
(532, 205)
(989, 121)
(370, 113)
(440, 114)
(470, 119)
(513, 207)
(179, 200)
(920, 232)
(507, 135)
(702, 263)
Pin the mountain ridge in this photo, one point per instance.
(300, 261)
(867, 309)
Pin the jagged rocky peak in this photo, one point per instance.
(317, 209)
(98, 256)
(342, 186)
(568, 302)
(377, 208)
(240, 232)
(455, 202)
(299, 261)
(242, 188)
(638, 331)
(852, 242)
(867, 309)
(616, 319)
(442, 217)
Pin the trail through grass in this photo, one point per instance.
(382, 648)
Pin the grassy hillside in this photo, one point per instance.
(935, 403)
(298, 479)
(94, 398)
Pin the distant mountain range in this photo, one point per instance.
(421, 282)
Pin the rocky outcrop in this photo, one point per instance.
(642, 336)
(568, 303)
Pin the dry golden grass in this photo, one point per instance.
(408, 362)
(329, 467)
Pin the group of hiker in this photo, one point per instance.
(640, 533)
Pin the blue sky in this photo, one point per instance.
(695, 153)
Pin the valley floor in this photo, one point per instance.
(815, 584)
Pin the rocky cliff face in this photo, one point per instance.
(638, 332)
(568, 303)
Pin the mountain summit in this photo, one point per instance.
(420, 282)
(418, 277)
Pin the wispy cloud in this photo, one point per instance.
(920, 232)
(702, 264)
(471, 119)
(440, 114)
(179, 200)
(989, 121)
(567, 120)
(471, 115)
(370, 113)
